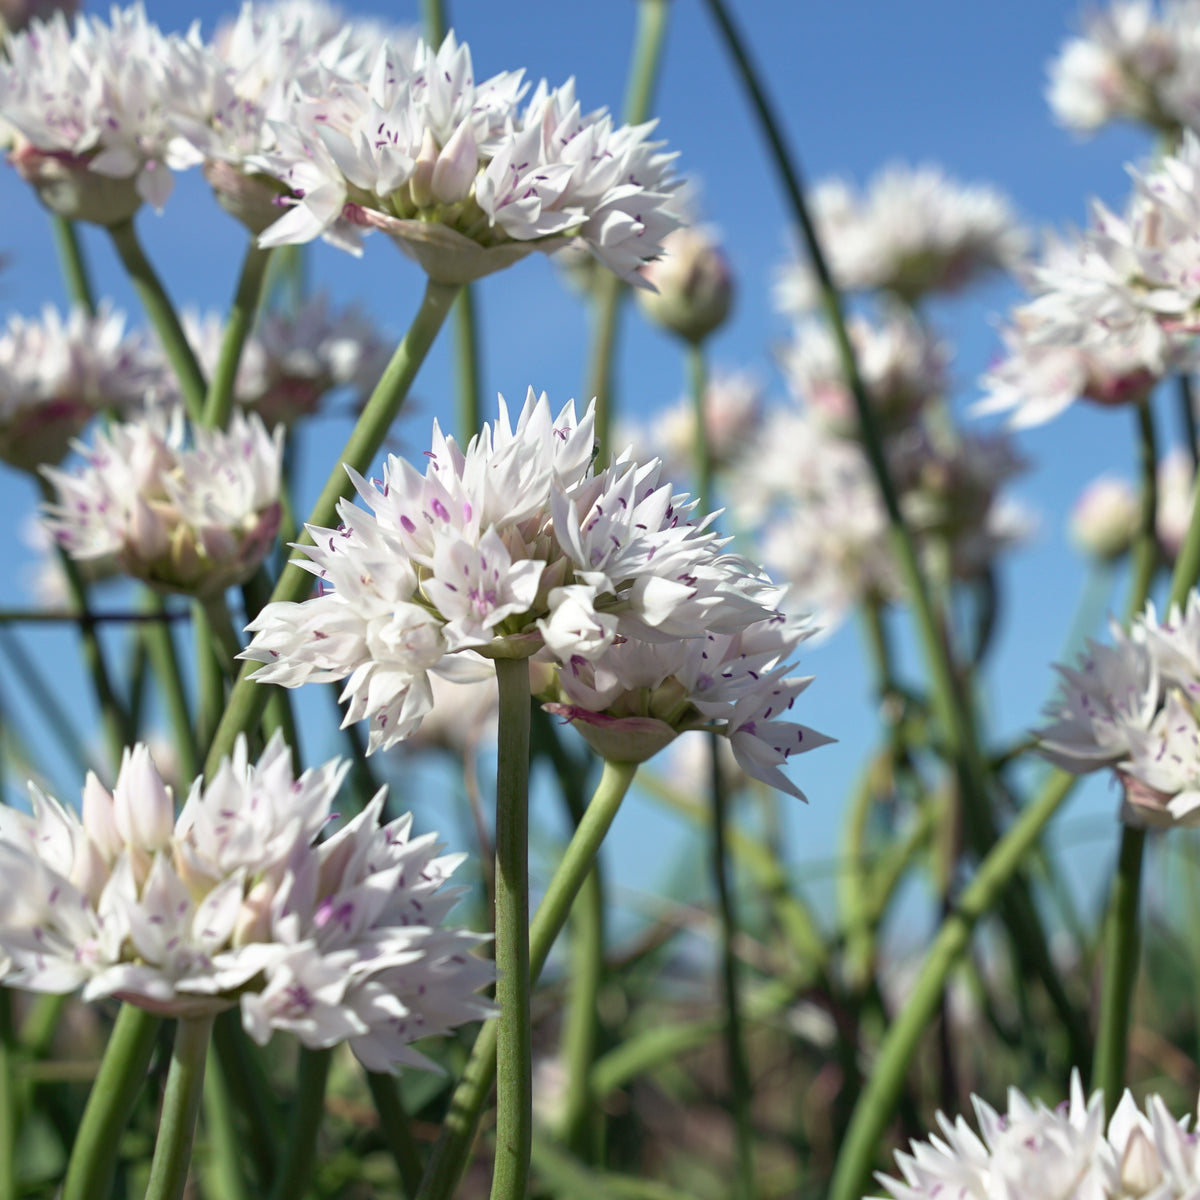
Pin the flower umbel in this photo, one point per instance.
(239, 901)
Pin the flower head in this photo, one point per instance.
(1104, 519)
(1043, 1153)
(692, 285)
(90, 110)
(240, 901)
(192, 518)
(56, 374)
(512, 547)
(915, 231)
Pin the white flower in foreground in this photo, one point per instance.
(1042, 1153)
(508, 547)
(1134, 707)
(56, 374)
(293, 360)
(914, 231)
(90, 110)
(458, 173)
(193, 518)
(238, 901)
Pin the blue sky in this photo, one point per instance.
(859, 85)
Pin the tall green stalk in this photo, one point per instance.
(452, 1151)
(110, 1103)
(180, 1106)
(514, 1037)
(1121, 934)
(218, 403)
(162, 316)
(872, 1113)
(736, 1060)
(610, 291)
(247, 699)
(74, 265)
(307, 1109)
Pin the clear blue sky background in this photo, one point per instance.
(859, 84)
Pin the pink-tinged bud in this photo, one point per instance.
(254, 918)
(149, 539)
(1104, 520)
(693, 285)
(420, 183)
(457, 166)
(99, 818)
(143, 807)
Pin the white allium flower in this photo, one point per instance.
(90, 111)
(1042, 1153)
(1133, 706)
(901, 362)
(505, 548)
(1120, 67)
(463, 177)
(1104, 519)
(914, 231)
(184, 517)
(238, 901)
(56, 374)
(638, 697)
(292, 360)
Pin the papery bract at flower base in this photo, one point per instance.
(238, 902)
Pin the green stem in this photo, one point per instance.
(609, 290)
(1144, 562)
(433, 18)
(219, 401)
(295, 1172)
(250, 1091)
(466, 352)
(735, 1048)
(1121, 944)
(223, 1178)
(246, 701)
(162, 316)
(10, 1105)
(450, 1155)
(865, 1135)
(393, 1127)
(181, 1103)
(164, 659)
(211, 678)
(74, 265)
(1187, 410)
(118, 1082)
(514, 1037)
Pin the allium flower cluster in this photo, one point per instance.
(90, 111)
(1131, 63)
(1042, 1153)
(915, 231)
(239, 901)
(900, 361)
(464, 176)
(1134, 706)
(508, 548)
(56, 374)
(294, 359)
(191, 517)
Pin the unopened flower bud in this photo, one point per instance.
(1141, 1171)
(457, 166)
(1105, 518)
(420, 183)
(143, 808)
(694, 288)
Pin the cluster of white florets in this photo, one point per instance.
(1134, 706)
(239, 900)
